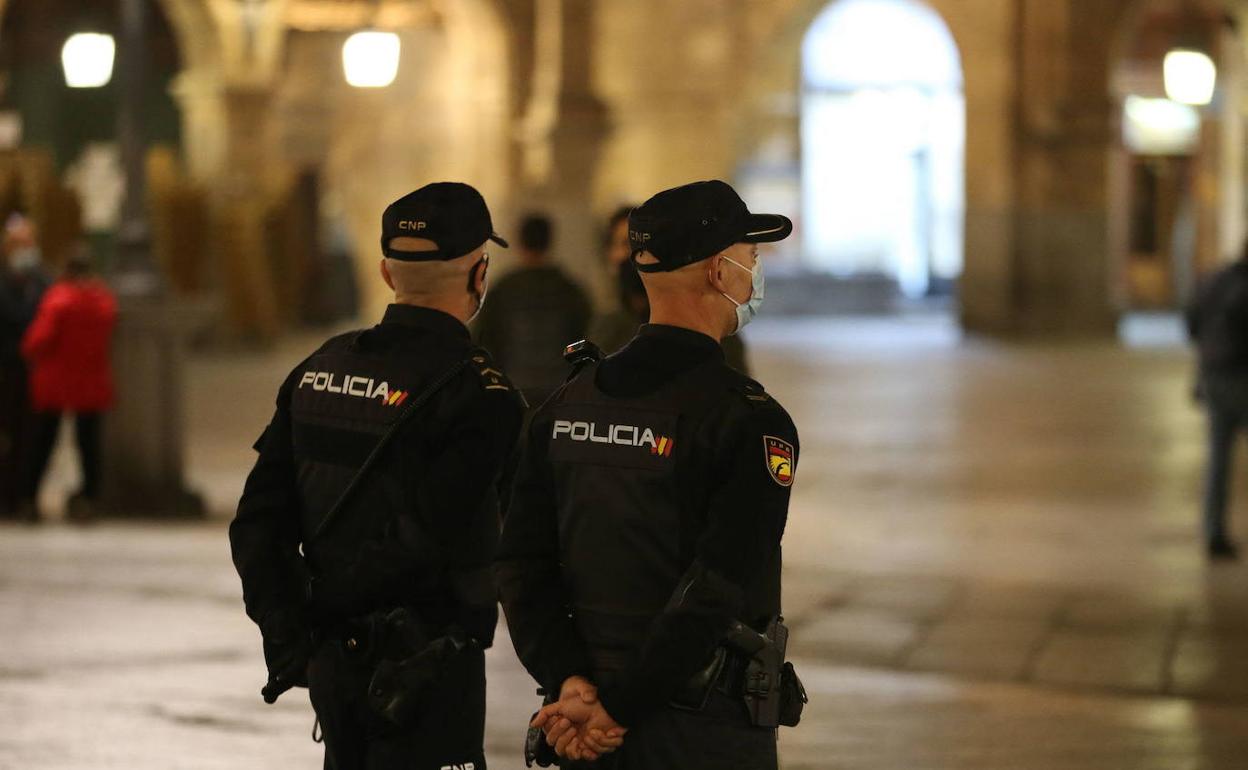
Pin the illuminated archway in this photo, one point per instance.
(883, 145)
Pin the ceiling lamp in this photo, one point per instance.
(1190, 76)
(88, 59)
(371, 59)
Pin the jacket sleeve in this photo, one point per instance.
(1193, 311)
(265, 533)
(459, 497)
(745, 522)
(528, 574)
(42, 332)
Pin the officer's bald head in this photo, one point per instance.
(432, 282)
(693, 295)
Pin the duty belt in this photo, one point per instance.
(394, 633)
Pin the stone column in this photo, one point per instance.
(242, 206)
(143, 469)
(988, 36)
(563, 180)
(1055, 277)
(227, 152)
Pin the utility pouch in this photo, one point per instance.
(694, 693)
(536, 750)
(773, 694)
(792, 697)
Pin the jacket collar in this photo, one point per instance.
(425, 318)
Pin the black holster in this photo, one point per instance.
(750, 665)
(773, 693)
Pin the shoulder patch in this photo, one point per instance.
(779, 457)
(492, 378)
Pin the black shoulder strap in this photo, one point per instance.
(752, 391)
(388, 436)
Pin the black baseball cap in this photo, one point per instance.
(692, 222)
(451, 214)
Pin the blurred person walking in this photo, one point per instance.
(533, 313)
(1217, 320)
(366, 527)
(67, 349)
(613, 327)
(617, 323)
(22, 284)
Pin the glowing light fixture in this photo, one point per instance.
(1190, 76)
(88, 59)
(1160, 126)
(371, 59)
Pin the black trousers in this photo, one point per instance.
(16, 427)
(43, 441)
(449, 733)
(1226, 398)
(720, 737)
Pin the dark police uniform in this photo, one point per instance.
(646, 517)
(416, 536)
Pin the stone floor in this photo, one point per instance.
(992, 562)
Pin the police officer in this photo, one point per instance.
(365, 531)
(647, 513)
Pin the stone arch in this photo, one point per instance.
(197, 34)
(777, 68)
(982, 31)
(985, 34)
(1131, 14)
(1214, 223)
(180, 27)
(882, 155)
(192, 24)
(196, 31)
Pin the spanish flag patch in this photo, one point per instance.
(779, 460)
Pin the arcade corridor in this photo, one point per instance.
(992, 562)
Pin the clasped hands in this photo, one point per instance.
(577, 725)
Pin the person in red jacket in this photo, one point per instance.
(66, 349)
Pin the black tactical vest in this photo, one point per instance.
(631, 477)
(343, 400)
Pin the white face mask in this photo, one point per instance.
(746, 311)
(25, 259)
(485, 285)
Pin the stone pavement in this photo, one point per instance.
(1099, 641)
(991, 562)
